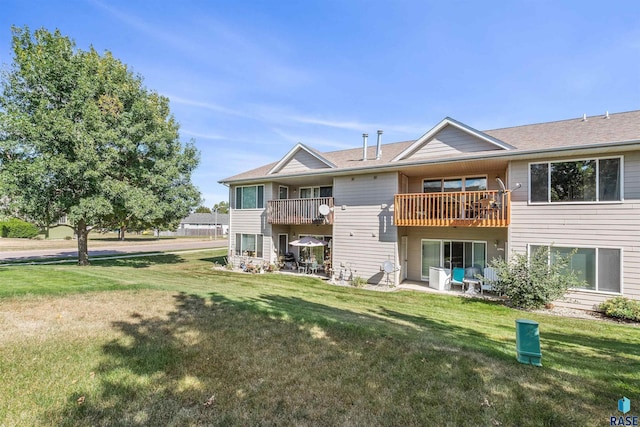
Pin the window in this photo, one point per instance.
(591, 180)
(249, 245)
(283, 193)
(454, 184)
(597, 268)
(250, 197)
(314, 192)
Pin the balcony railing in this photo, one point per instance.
(462, 208)
(299, 211)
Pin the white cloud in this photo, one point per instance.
(358, 126)
(206, 105)
(202, 135)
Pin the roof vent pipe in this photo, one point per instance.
(584, 117)
(364, 146)
(379, 146)
(606, 115)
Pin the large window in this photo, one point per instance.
(591, 180)
(597, 268)
(249, 245)
(451, 254)
(250, 197)
(314, 192)
(454, 184)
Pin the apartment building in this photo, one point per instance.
(457, 197)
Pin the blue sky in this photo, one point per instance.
(249, 79)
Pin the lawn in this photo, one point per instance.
(170, 341)
(96, 240)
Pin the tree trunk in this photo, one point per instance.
(83, 250)
(121, 231)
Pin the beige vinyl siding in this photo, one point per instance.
(251, 221)
(451, 140)
(417, 234)
(604, 225)
(302, 161)
(363, 232)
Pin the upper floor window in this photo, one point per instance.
(591, 180)
(250, 197)
(283, 192)
(478, 183)
(314, 192)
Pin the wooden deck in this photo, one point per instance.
(489, 208)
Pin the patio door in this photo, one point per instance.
(431, 256)
(451, 254)
(283, 243)
(464, 254)
(404, 253)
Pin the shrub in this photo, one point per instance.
(17, 228)
(621, 308)
(532, 282)
(358, 282)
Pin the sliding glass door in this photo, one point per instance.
(451, 254)
(431, 255)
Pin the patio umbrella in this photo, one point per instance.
(308, 242)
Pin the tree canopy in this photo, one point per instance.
(202, 209)
(222, 207)
(80, 135)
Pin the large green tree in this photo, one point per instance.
(80, 135)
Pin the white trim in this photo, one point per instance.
(448, 121)
(235, 197)
(461, 177)
(597, 256)
(442, 242)
(286, 249)
(581, 202)
(299, 146)
(242, 250)
(280, 187)
(309, 188)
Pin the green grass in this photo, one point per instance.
(169, 341)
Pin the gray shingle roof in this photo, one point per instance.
(578, 133)
(619, 127)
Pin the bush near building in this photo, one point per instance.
(621, 308)
(534, 281)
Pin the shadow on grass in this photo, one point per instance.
(139, 261)
(221, 260)
(283, 360)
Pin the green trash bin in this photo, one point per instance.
(528, 342)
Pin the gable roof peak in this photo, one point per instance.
(448, 121)
(297, 148)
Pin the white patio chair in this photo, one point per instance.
(489, 277)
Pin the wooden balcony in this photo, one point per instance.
(299, 211)
(462, 208)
